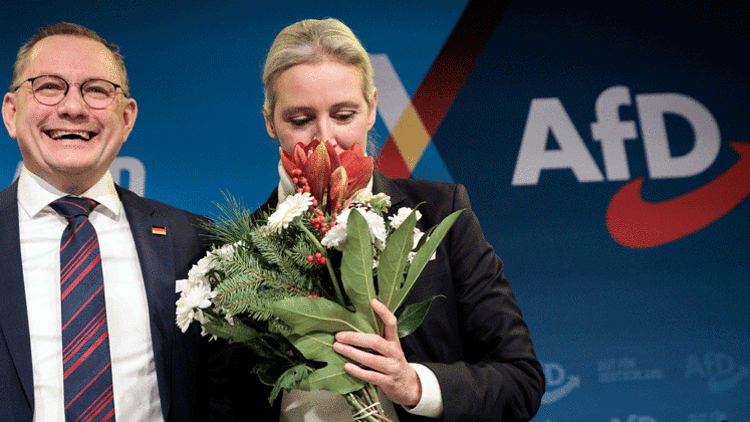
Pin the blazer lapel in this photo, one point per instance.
(382, 184)
(157, 266)
(14, 322)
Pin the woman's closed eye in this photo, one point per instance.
(299, 121)
(344, 116)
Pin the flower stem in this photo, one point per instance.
(365, 405)
(334, 280)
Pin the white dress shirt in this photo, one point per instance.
(135, 388)
(318, 406)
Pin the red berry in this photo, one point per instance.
(310, 258)
(295, 180)
(322, 260)
(318, 255)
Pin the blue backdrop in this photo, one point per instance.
(637, 300)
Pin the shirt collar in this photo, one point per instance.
(34, 193)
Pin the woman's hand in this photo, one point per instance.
(383, 359)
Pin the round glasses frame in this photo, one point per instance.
(96, 93)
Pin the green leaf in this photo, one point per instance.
(356, 268)
(237, 333)
(393, 260)
(288, 380)
(307, 314)
(410, 317)
(319, 347)
(423, 256)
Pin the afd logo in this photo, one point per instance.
(133, 167)
(559, 384)
(635, 418)
(631, 220)
(719, 369)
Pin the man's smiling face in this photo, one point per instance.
(70, 145)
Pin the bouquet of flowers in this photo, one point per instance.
(283, 284)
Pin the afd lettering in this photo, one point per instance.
(720, 370)
(131, 166)
(632, 221)
(558, 384)
(547, 115)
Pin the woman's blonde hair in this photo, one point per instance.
(313, 41)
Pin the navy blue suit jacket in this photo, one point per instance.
(179, 357)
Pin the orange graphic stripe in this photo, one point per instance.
(429, 105)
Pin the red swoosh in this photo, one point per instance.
(635, 223)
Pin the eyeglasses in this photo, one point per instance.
(50, 90)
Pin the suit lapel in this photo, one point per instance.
(14, 322)
(382, 184)
(157, 266)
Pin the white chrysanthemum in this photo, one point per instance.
(398, 219)
(367, 199)
(195, 297)
(226, 251)
(197, 274)
(376, 225)
(184, 316)
(293, 207)
(336, 236)
(362, 197)
(417, 237)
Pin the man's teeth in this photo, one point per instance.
(58, 134)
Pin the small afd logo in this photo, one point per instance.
(719, 369)
(559, 384)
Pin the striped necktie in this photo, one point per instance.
(86, 362)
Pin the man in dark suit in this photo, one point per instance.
(69, 109)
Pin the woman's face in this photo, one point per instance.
(321, 101)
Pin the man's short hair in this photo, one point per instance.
(66, 28)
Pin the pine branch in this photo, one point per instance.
(232, 224)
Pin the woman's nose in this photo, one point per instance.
(324, 130)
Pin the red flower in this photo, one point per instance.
(333, 179)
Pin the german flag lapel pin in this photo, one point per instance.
(161, 231)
